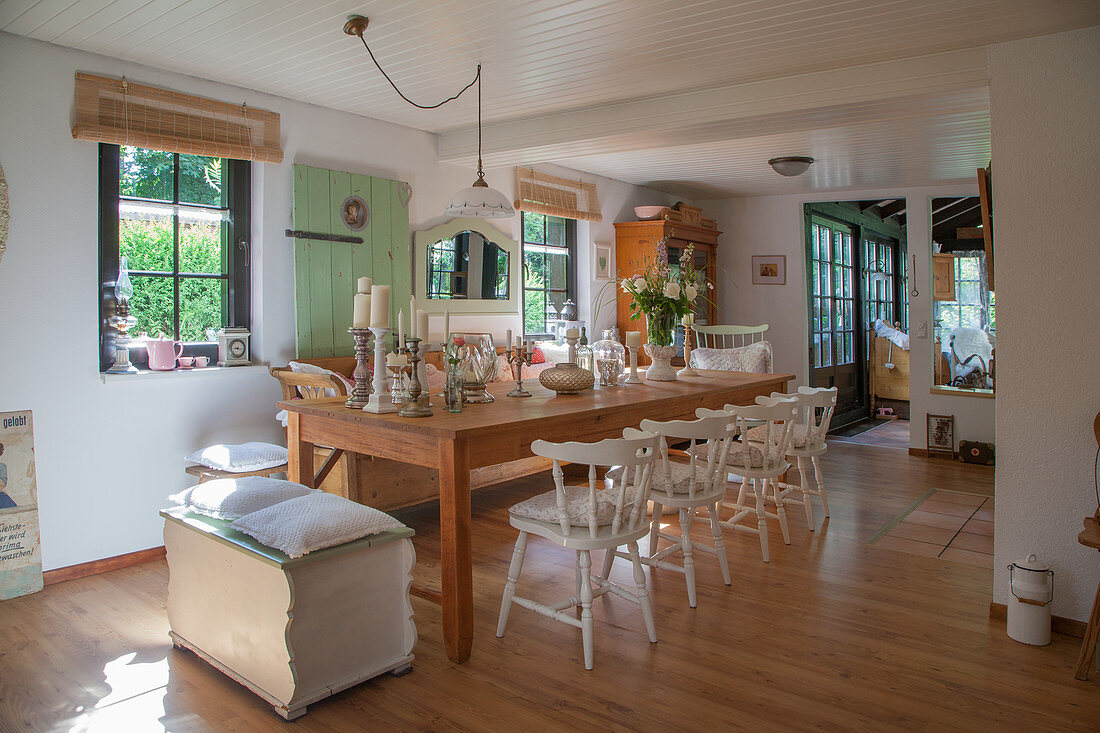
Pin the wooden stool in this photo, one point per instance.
(205, 473)
(1090, 537)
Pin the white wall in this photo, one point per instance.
(108, 453)
(773, 225)
(1045, 107)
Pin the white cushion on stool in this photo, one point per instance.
(240, 458)
(314, 522)
(231, 498)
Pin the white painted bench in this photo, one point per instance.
(294, 631)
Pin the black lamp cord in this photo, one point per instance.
(475, 80)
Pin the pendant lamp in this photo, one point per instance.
(478, 199)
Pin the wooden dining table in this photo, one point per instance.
(495, 433)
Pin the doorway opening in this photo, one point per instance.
(858, 297)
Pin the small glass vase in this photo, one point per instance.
(660, 327)
(452, 392)
(610, 357)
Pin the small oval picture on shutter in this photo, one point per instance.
(355, 213)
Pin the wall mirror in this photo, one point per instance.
(964, 311)
(466, 266)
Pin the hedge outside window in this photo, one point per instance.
(182, 222)
(549, 270)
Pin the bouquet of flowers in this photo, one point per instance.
(664, 294)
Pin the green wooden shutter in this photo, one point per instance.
(326, 273)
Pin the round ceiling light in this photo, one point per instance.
(791, 165)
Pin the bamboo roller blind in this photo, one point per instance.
(540, 193)
(124, 113)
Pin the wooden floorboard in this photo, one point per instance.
(833, 633)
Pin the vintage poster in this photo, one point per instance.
(20, 553)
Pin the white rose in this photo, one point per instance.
(691, 292)
(639, 283)
(672, 290)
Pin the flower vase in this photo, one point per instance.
(452, 391)
(660, 327)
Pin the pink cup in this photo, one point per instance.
(186, 361)
(202, 361)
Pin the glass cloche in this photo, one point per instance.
(610, 359)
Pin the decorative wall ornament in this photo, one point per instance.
(20, 551)
(769, 270)
(602, 265)
(3, 213)
(355, 213)
(404, 193)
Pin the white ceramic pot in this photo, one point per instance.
(661, 370)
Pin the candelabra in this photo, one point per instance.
(518, 358)
(361, 391)
(380, 398)
(418, 404)
(687, 371)
(633, 378)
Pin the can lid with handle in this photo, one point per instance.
(1031, 563)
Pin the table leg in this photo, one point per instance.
(300, 453)
(1087, 657)
(456, 561)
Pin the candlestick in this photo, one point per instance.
(571, 337)
(380, 400)
(380, 307)
(361, 391)
(522, 357)
(687, 371)
(633, 378)
(415, 407)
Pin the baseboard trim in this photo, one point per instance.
(1058, 624)
(104, 565)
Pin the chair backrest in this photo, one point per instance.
(777, 415)
(815, 410)
(307, 384)
(728, 337)
(709, 446)
(635, 452)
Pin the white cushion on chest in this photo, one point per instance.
(231, 498)
(544, 507)
(240, 458)
(314, 522)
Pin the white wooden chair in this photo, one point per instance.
(760, 462)
(815, 405)
(586, 518)
(687, 487)
(727, 337)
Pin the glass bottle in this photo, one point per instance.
(452, 392)
(610, 358)
(584, 354)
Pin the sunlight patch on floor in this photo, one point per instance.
(136, 699)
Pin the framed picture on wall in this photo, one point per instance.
(601, 265)
(941, 435)
(769, 270)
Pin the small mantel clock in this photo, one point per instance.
(233, 347)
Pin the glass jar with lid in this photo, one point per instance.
(610, 359)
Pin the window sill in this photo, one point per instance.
(963, 392)
(195, 373)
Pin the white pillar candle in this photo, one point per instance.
(446, 326)
(364, 284)
(519, 343)
(572, 333)
(422, 324)
(380, 306)
(633, 339)
(507, 337)
(360, 315)
(401, 328)
(412, 316)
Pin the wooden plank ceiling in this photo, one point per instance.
(585, 59)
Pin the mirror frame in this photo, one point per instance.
(427, 237)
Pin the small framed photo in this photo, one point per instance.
(769, 270)
(602, 262)
(941, 435)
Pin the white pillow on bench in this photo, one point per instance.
(240, 458)
(300, 526)
(752, 358)
(232, 498)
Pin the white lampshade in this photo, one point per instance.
(791, 165)
(480, 200)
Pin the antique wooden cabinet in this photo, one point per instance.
(636, 249)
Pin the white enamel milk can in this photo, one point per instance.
(1032, 586)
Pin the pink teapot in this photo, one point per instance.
(163, 353)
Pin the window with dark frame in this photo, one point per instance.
(967, 310)
(833, 306)
(183, 224)
(549, 270)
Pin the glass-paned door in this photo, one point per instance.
(834, 338)
(880, 281)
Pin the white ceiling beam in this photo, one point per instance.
(865, 93)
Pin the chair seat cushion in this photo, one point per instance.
(799, 435)
(313, 522)
(240, 458)
(679, 478)
(737, 455)
(752, 358)
(544, 507)
(232, 498)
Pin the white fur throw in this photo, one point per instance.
(752, 358)
(314, 522)
(886, 331)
